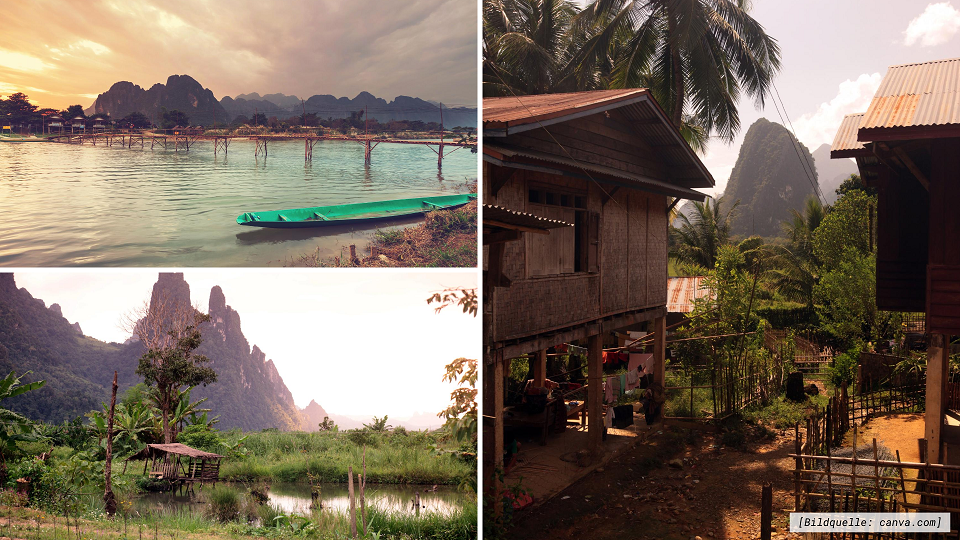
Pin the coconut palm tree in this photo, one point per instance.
(698, 239)
(526, 46)
(794, 269)
(697, 57)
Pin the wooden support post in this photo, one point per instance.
(540, 368)
(498, 435)
(595, 393)
(366, 152)
(937, 364)
(766, 512)
(660, 351)
(353, 507)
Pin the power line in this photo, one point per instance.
(794, 142)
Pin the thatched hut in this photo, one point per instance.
(179, 464)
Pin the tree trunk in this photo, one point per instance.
(110, 501)
(676, 69)
(165, 415)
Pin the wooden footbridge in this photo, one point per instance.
(183, 140)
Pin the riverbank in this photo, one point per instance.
(446, 239)
(18, 522)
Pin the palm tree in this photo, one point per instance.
(698, 239)
(526, 46)
(696, 56)
(794, 269)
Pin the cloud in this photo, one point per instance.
(814, 129)
(937, 24)
(78, 48)
(22, 62)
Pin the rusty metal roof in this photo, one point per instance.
(845, 144)
(682, 291)
(507, 216)
(504, 116)
(915, 95)
(506, 112)
(508, 156)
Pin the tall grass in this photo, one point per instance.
(391, 458)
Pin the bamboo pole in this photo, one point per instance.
(363, 501)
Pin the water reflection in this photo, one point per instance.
(295, 499)
(93, 205)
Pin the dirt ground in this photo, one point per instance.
(681, 484)
(896, 431)
(700, 488)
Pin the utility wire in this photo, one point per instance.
(811, 176)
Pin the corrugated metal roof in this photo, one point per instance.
(682, 291)
(925, 94)
(845, 144)
(504, 116)
(520, 219)
(501, 112)
(599, 172)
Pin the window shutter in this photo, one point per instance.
(593, 242)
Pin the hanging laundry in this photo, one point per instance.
(608, 391)
(615, 383)
(633, 379)
(623, 383)
(573, 349)
(608, 418)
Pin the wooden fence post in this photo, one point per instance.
(766, 512)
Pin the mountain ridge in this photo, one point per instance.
(184, 93)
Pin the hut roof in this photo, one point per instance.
(915, 101)
(507, 218)
(173, 448)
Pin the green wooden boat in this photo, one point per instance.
(342, 214)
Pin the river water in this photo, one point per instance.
(295, 499)
(65, 205)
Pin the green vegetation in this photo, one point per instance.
(392, 458)
(446, 238)
(720, 53)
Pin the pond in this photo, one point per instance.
(295, 499)
(73, 205)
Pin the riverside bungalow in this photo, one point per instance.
(577, 188)
(907, 145)
(79, 124)
(55, 124)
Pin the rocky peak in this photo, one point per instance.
(7, 284)
(172, 288)
(56, 309)
(218, 302)
(76, 326)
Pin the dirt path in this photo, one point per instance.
(699, 489)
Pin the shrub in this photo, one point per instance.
(363, 437)
(844, 367)
(224, 503)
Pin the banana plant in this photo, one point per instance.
(15, 427)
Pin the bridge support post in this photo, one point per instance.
(367, 149)
(260, 148)
(220, 143)
(440, 156)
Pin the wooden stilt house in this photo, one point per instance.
(179, 464)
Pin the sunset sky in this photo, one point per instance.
(359, 343)
(62, 52)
